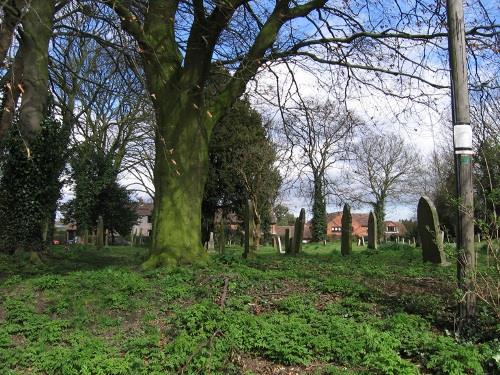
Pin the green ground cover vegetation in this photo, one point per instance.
(373, 312)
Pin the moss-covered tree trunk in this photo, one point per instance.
(180, 172)
(176, 78)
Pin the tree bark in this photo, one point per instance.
(29, 75)
(9, 24)
(379, 210)
(37, 31)
(181, 169)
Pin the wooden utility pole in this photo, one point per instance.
(462, 139)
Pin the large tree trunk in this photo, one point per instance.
(319, 211)
(180, 172)
(379, 210)
(11, 15)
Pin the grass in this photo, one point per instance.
(374, 312)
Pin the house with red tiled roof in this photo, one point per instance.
(360, 226)
(394, 229)
(334, 225)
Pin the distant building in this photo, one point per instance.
(360, 226)
(394, 229)
(334, 225)
(233, 222)
(71, 232)
(144, 224)
(281, 229)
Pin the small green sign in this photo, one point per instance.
(466, 159)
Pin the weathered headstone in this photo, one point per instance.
(288, 242)
(346, 239)
(106, 238)
(429, 232)
(277, 239)
(99, 243)
(211, 242)
(298, 233)
(372, 231)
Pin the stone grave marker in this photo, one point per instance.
(431, 237)
(372, 231)
(298, 233)
(346, 239)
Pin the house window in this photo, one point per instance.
(149, 219)
(391, 228)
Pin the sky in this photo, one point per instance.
(421, 126)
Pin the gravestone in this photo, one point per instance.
(362, 240)
(372, 231)
(346, 239)
(298, 233)
(99, 243)
(211, 242)
(288, 242)
(277, 238)
(430, 235)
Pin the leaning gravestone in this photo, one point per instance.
(429, 232)
(298, 233)
(277, 239)
(346, 240)
(372, 231)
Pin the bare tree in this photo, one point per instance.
(384, 168)
(318, 135)
(179, 40)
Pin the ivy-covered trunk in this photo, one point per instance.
(181, 168)
(319, 221)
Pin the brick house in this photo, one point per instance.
(360, 226)
(394, 229)
(144, 224)
(334, 225)
(232, 221)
